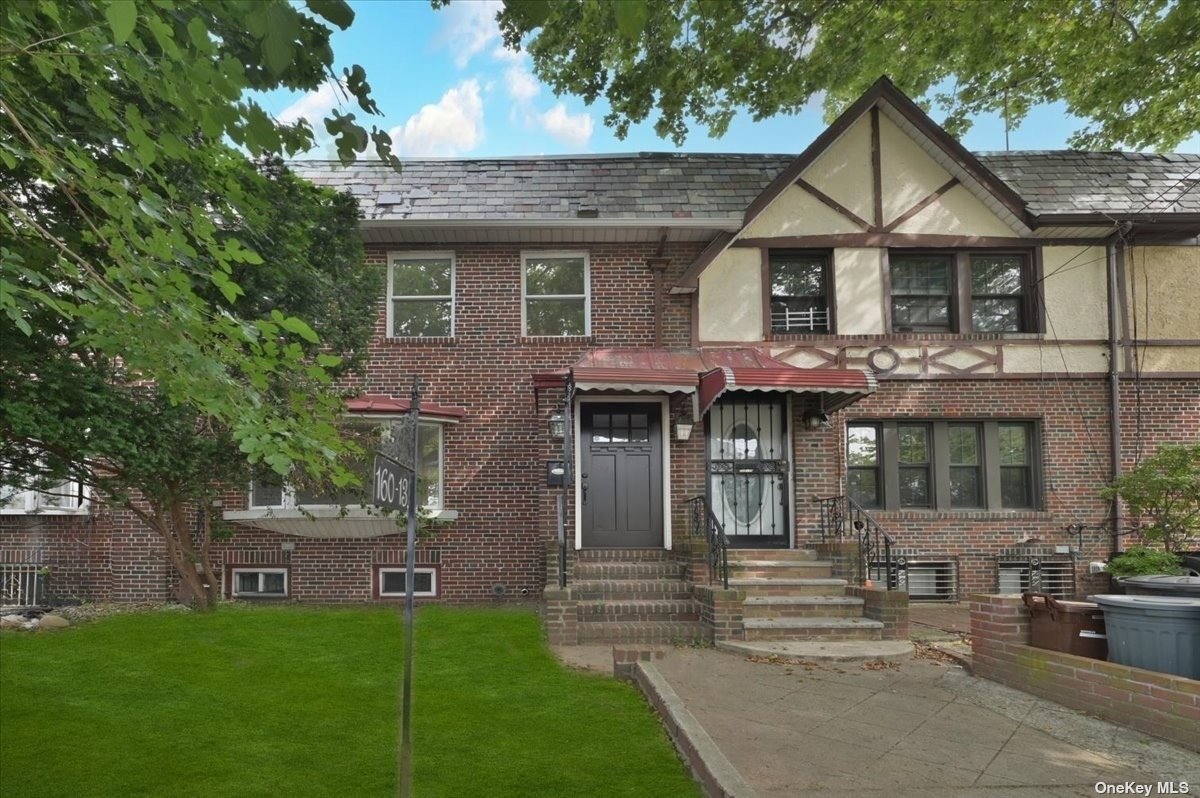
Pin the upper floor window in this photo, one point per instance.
(961, 292)
(421, 295)
(58, 498)
(278, 493)
(799, 292)
(556, 293)
(942, 464)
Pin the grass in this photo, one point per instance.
(305, 701)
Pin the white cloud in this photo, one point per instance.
(503, 54)
(572, 129)
(522, 86)
(452, 126)
(470, 28)
(312, 106)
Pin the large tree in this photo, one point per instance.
(71, 412)
(1129, 67)
(125, 129)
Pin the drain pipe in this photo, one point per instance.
(1115, 302)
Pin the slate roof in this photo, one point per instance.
(1065, 181)
(720, 186)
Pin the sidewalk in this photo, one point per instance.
(917, 728)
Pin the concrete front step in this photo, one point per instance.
(664, 632)
(600, 570)
(631, 590)
(790, 586)
(825, 628)
(614, 611)
(791, 555)
(802, 607)
(783, 569)
(831, 651)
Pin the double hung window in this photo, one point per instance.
(962, 292)
(799, 292)
(58, 498)
(421, 296)
(556, 295)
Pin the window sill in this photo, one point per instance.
(556, 339)
(961, 515)
(419, 340)
(56, 511)
(329, 521)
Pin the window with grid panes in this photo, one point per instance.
(799, 292)
(943, 464)
(962, 292)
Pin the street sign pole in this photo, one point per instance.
(414, 412)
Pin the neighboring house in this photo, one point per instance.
(947, 313)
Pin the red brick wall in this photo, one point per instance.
(1155, 703)
(495, 457)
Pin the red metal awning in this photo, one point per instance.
(383, 404)
(843, 386)
(709, 372)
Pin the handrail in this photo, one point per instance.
(840, 515)
(718, 543)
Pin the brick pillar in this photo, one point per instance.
(844, 556)
(998, 619)
(889, 607)
(721, 611)
(561, 616)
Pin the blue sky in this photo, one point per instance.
(447, 87)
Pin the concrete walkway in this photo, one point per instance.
(917, 728)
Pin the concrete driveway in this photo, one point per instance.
(918, 728)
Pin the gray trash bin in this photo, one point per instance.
(1162, 585)
(1158, 633)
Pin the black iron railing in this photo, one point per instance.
(705, 522)
(843, 518)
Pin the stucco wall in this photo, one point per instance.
(907, 173)
(1164, 291)
(795, 212)
(1076, 292)
(731, 297)
(858, 281)
(957, 212)
(843, 170)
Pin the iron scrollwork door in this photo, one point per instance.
(748, 469)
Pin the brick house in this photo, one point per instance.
(956, 346)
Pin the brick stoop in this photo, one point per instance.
(625, 596)
(790, 595)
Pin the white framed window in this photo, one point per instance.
(420, 295)
(556, 295)
(62, 498)
(430, 463)
(264, 582)
(392, 582)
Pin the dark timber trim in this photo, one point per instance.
(876, 169)
(834, 204)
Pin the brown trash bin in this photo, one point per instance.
(1073, 627)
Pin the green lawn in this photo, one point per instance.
(305, 701)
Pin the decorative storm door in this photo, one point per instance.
(620, 475)
(748, 469)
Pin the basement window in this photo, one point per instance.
(260, 582)
(393, 582)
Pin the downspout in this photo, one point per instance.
(1115, 302)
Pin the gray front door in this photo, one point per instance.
(620, 475)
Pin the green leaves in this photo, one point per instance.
(1130, 70)
(336, 11)
(632, 16)
(122, 18)
(279, 41)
